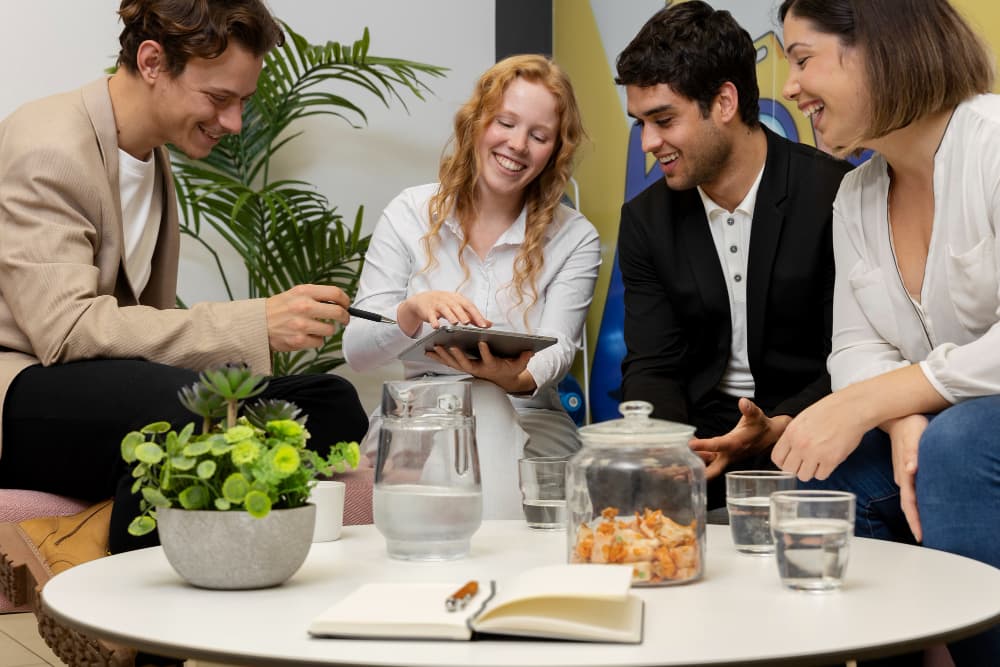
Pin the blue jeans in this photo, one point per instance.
(958, 495)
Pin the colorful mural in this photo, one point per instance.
(613, 167)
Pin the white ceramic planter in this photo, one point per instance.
(233, 550)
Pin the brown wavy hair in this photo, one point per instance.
(459, 171)
(195, 29)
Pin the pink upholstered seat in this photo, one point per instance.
(19, 504)
(357, 495)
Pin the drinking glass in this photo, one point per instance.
(812, 535)
(543, 491)
(748, 498)
(428, 498)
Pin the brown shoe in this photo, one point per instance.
(35, 550)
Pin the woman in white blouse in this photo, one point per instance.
(916, 323)
(491, 245)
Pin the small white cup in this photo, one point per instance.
(328, 497)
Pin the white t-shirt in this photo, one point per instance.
(953, 329)
(142, 207)
(731, 234)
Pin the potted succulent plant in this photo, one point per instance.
(231, 502)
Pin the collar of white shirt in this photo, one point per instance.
(746, 206)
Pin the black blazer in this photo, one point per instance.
(677, 324)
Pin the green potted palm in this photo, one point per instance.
(285, 232)
(231, 501)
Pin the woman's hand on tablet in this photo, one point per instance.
(432, 307)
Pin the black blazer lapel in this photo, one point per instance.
(704, 258)
(765, 234)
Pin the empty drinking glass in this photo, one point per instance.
(748, 498)
(428, 499)
(812, 535)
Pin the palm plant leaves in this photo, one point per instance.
(285, 231)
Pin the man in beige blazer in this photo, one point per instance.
(91, 345)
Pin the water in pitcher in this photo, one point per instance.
(422, 522)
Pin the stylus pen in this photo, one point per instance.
(365, 315)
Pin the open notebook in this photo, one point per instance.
(573, 602)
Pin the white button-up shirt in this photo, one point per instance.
(952, 329)
(395, 270)
(731, 234)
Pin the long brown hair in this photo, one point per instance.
(459, 171)
(921, 56)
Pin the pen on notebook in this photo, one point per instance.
(461, 597)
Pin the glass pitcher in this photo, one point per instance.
(428, 499)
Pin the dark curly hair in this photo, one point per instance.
(195, 29)
(694, 49)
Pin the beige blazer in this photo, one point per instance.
(64, 292)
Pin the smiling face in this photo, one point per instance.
(691, 149)
(827, 81)
(517, 143)
(205, 101)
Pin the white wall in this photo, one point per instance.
(55, 45)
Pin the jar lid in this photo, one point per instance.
(637, 427)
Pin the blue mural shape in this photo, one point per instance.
(606, 376)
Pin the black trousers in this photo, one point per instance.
(717, 414)
(63, 426)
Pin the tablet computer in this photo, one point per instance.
(502, 343)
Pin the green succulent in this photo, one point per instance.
(273, 409)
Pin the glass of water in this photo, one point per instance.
(748, 498)
(812, 536)
(428, 499)
(543, 491)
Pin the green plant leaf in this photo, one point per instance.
(197, 448)
(257, 504)
(154, 497)
(183, 463)
(222, 504)
(285, 459)
(235, 488)
(155, 428)
(193, 497)
(219, 444)
(141, 525)
(185, 434)
(149, 453)
(129, 443)
(206, 469)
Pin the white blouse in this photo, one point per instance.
(395, 270)
(952, 331)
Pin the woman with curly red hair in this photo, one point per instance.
(491, 245)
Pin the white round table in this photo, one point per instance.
(895, 598)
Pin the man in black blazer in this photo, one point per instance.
(727, 262)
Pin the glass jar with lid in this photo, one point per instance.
(635, 494)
